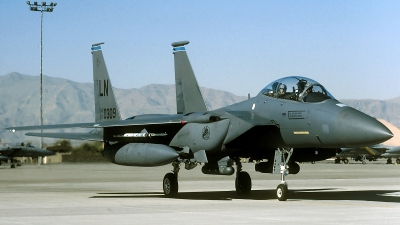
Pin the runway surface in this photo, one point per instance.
(102, 193)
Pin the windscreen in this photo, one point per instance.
(296, 88)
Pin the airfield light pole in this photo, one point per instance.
(42, 7)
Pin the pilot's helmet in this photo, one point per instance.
(283, 86)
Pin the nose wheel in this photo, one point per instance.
(363, 159)
(282, 192)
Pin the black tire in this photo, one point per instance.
(13, 165)
(389, 161)
(170, 185)
(398, 161)
(243, 183)
(282, 192)
(345, 161)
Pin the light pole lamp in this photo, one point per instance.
(42, 7)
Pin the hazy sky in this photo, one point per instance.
(351, 47)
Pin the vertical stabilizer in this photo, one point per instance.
(106, 108)
(188, 94)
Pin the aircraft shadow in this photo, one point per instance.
(297, 195)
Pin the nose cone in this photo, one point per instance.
(49, 153)
(356, 129)
(394, 150)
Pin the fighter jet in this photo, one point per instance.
(291, 119)
(392, 152)
(8, 152)
(371, 153)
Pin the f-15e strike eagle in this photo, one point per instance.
(371, 153)
(293, 119)
(9, 152)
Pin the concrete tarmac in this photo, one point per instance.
(104, 193)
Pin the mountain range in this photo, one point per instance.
(66, 101)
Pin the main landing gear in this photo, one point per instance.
(170, 181)
(243, 180)
(13, 165)
(171, 187)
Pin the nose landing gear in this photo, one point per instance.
(282, 156)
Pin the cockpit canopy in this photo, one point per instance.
(296, 88)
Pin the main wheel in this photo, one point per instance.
(346, 161)
(243, 183)
(398, 161)
(282, 192)
(13, 165)
(170, 184)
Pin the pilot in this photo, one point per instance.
(281, 90)
(305, 95)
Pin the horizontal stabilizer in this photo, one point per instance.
(3, 158)
(47, 127)
(166, 119)
(73, 136)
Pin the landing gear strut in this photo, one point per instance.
(282, 156)
(243, 180)
(170, 181)
(12, 164)
(363, 159)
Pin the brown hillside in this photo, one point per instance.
(395, 140)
